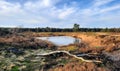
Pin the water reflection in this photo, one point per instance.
(61, 40)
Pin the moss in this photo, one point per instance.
(97, 47)
(15, 68)
(70, 48)
(64, 61)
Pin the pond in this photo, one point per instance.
(61, 40)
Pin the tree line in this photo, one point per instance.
(76, 28)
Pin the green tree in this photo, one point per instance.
(48, 29)
(76, 27)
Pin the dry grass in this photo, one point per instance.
(26, 42)
(77, 66)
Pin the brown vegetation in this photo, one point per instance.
(76, 66)
(105, 45)
(93, 41)
(26, 42)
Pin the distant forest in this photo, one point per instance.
(47, 29)
(76, 28)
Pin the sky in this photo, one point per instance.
(60, 13)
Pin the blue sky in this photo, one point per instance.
(60, 13)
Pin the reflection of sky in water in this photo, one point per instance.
(61, 40)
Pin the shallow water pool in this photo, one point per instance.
(61, 40)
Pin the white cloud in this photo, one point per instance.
(110, 8)
(9, 9)
(66, 13)
(11, 26)
(47, 3)
(40, 4)
(98, 3)
(46, 13)
(95, 10)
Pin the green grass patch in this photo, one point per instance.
(97, 47)
(64, 61)
(15, 68)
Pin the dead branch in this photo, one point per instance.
(54, 52)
